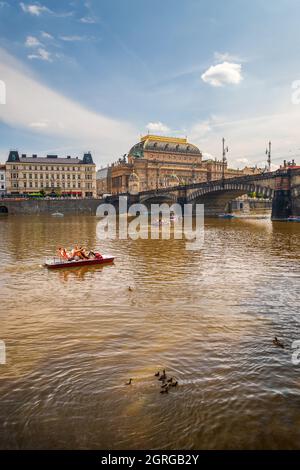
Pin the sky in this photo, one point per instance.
(95, 75)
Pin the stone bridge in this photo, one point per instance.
(282, 186)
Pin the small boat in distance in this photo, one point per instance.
(226, 216)
(57, 214)
(56, 263)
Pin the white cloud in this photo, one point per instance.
(46, 35)
(201, 129)
(42, 54)
(226, 73)
(243, 160)
(207, 156)
(157, 127)
(227, 57)
(34, 9)
(38, 125)
(88, 19)
(32, 41)
(72, 38)
(66, 122)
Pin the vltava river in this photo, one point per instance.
(73, 338)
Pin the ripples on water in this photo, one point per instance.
(74, 337)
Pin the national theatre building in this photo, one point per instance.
(158, 162)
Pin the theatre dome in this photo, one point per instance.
(153, 143)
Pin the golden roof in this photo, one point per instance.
(160, 138)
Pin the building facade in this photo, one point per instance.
(2, 180)
(103, 181)
(69, 177)
(157, 162)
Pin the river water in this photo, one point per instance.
(74, 337)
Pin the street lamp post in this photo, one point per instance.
(224, 160)
(268, 152)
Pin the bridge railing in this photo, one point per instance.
(208, 184)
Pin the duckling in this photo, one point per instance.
(170, 380)
(157, 374)
(129, 383)
(165, 390)
(276, 342)
(164, 385)
(174, 384)
(130, 289)
(163, 376)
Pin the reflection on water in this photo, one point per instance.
(73, 338)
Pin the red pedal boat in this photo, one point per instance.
(56, 263)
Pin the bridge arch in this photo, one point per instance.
(149, 199)
(215, 197)
(3, 209)
(234, 189)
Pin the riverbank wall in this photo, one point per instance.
(252, 205)
(89, 206)
(49, 206)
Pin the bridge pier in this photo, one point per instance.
(282, 199)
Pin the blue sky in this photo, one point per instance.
(95, 74)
